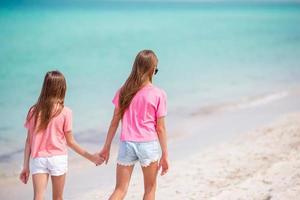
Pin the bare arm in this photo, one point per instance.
(24, 175)
(114, 124)
(27, 152)
(81, 151)
(162, 137)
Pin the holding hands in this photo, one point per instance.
(96, 159)
(104, 154)
(100, 157)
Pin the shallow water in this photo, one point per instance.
(208, 54)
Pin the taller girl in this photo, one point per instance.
(141, 107)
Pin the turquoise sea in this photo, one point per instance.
(208, 54)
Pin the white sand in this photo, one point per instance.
(261, 165)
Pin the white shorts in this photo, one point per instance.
(54, 165)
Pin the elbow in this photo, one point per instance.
(70, 143)
(114, 124)
(27, 143)
(160, 130)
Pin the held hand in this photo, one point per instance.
(104, 154)
(163, 165)
(96, 159)
(24, 175)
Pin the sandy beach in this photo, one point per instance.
(263, 164)
(230, 69)
(247, 153)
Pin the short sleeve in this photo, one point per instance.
(162, 105)
(28, 119)
(115, 100)
(26, 124)
(68, 121)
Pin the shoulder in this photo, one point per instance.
(30, 112)
(67, 111)
(117, 94)
(159, 92)
(118, 91)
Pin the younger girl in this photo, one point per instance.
(142, 108)
(49, 125)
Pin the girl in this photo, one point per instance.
(142, 107)
(49, 125)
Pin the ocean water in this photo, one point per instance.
(208, 54)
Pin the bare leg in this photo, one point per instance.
(122, 182)
(58, 183)
(39, 185)
(150, 174)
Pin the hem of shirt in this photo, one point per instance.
(163, 115)
(49, 155)
(141, 140)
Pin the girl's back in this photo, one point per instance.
(49, 125)
(139, 120)
(141, 107)
(51, 141)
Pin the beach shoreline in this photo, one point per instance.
(230, 71)
(179, 120)
(215, 133)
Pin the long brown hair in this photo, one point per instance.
(50, 102)
(142, 70)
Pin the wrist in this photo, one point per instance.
(26, 165)
(88, 156)
(164, 154)
(106, 146)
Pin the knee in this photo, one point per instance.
(57, 197)
(121, 191)
(38, 196)
(150, 188)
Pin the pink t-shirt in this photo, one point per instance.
(140, 119)
(51, 141)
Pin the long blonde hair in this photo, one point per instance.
(143, 68)
(50, 102)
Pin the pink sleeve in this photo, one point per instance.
(162, 106)
(116, 99)
(68, 121)
(26, 124)
(27, 120)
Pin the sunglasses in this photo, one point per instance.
(155, 72)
